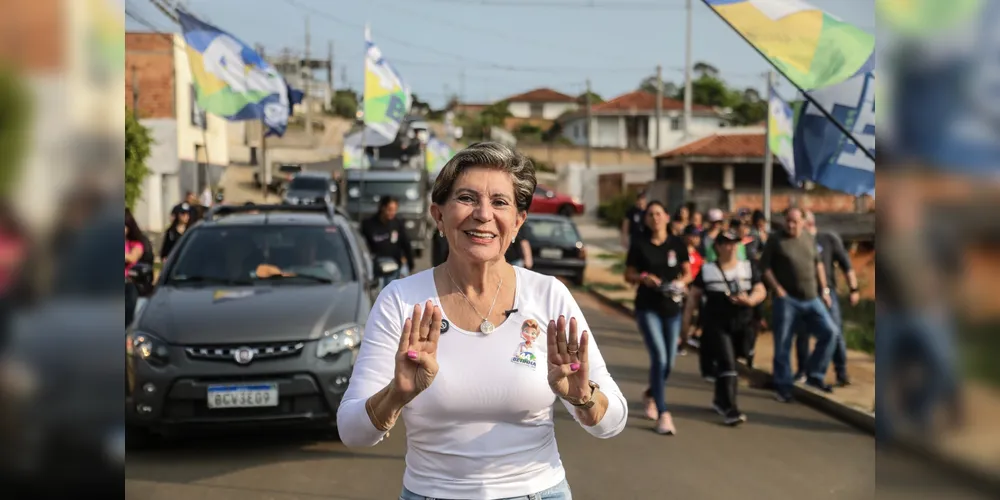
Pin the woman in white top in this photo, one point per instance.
(473, 353)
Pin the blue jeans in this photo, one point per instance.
(926, 339)
(839, 347)
(560, 491)
(395, 275)
(790, 315)
(661, 334)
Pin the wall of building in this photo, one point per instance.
(149, 68)
(161, 189)
(817, 202)
(562, 155)
(550, 110)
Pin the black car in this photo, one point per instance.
(556, 246)
(307, 188)
(408, 185)
(256, 319)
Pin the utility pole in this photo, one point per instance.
(768, 155)
(659, 104)
(329, 65)
(688, 93)
(461, 86)
(587, 104)
(135, 95)
(306, 80)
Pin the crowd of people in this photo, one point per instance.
(702, 282)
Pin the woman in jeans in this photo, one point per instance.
(660, 266)
(731, 287)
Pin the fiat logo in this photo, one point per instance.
(243, 355)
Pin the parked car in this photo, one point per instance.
(556, 246)
(256, 319)
(547, 201)
(307, 188)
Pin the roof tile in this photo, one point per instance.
(721, 146)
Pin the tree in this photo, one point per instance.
(138, 142)
(417, 106)
(648, 84)
(595, 98)
(15, 126)
(704, 69)
(345, 103)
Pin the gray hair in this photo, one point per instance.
(491, 155)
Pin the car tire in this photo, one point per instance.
(138, 438)
(578, 279)
(566, 211)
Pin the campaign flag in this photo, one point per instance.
(438, 153)
(823, 153)
(353, 155)
(232, 80)
(387, 99)
(780, 130)
(812, 48)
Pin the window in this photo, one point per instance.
(537, 109)
(675, 123)
(309, 184)
(554, 232)
(234, 253)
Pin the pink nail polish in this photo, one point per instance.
(574, 366)
(412, 355)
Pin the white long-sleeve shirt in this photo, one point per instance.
(484, 428)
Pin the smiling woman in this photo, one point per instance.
(456, 351)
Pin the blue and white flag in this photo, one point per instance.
(780, 131)
(823, 153)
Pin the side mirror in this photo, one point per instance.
(385, 266)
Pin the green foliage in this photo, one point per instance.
(345, 103)
(541, 165)
(613, 210)
(15, 124)
(595, 98)
(709, 89)
(138, 143)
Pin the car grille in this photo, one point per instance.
(261, 352)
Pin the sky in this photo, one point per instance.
(486, 50)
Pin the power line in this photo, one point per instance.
(562, 5)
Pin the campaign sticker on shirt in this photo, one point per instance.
(394, 237)
(444, 325)
(819, 248)
(637, 218)
(672, 258)
(525, 353)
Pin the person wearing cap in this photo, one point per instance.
(713, 227)
(179, 224)
(731, 288)
(793, 269)
(633, 225)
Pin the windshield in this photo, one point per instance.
(552, 231)
(290, 169)
(403, 191)
(308, 184)
(237, 255)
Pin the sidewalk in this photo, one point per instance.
(973, 449)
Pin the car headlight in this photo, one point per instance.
(147, 347)
(339, 339)
(410, 224)
(354, 192)
(293, 200)
(577, 200)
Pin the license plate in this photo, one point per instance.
(242, 396)
(551, 253)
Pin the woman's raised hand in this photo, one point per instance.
(416, 359)
(569, 371)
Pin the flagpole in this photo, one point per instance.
(768, 154)
(364, 131)
(805, 94)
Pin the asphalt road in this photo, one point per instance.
(784, 451)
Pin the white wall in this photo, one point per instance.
(161, 187)
(550, 110)
(606, 132)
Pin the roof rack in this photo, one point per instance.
(224, 210)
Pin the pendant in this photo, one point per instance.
(486, 327)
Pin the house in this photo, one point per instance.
(540, 104)
(629, 122)
(726, 169)
(191, 147)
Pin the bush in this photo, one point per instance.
(541, 165)
(137, 149)
(15, 127)
(613, 211)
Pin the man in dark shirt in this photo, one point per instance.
(831, 252)
(793, 270)
(634, 226)
(386, 236)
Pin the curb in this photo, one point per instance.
(864, 421)
(859, 419)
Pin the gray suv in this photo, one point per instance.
(255, 319)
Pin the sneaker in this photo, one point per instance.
(651, 412)
(800, 378)
(843, 381)
(694, 342)
(783, 397)
(734, 417)
(682, 352)
(819, 385)
(718, 409)
(665, 425)
(710, 379)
